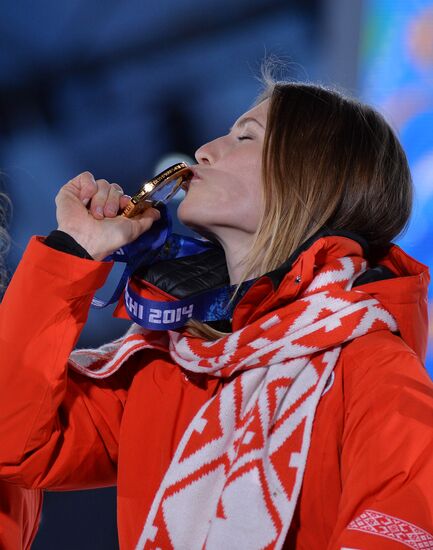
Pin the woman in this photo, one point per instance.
(19, 507)
(210, 436)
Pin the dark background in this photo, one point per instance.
(120, 89)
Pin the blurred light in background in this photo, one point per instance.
(397, 77)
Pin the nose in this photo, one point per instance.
(208, 153)
(202, 154)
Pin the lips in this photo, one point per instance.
(195, 174)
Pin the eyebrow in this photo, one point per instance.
(243, 121)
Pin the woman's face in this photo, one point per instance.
(224, 197)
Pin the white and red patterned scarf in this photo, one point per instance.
(236, 475)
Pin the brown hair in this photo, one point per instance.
(328, 162)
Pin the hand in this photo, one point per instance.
(99, 228)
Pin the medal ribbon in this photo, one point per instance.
(158, 244)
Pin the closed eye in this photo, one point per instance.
(241, 138)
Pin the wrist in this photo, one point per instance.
(84, 242)
(64, 242)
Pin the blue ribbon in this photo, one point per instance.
(211, 305)
(157, 244)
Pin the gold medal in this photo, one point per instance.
(158, 190)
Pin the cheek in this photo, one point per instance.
(250, 195)
(254, 208)
(229, 210)
(232, 199)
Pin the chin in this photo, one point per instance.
(194, 218)
(183, 213)
(189, 213)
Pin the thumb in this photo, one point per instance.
(144, 221)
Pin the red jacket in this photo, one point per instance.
(19, 516)
(369, 476)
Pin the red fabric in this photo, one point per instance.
(372, 440)
(19, 516)
(242, 446)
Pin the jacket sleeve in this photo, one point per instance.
(19, 516)
(57, 431)
(387, 451)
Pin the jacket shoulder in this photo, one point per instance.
(380, 351)
(380, 371)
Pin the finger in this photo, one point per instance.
(86, 185)
(154, 213)
(100, 198)
(147, 218)
(124, 200)
(143, 222)
(82, 187)
(112, 204)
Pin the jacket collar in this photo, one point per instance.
(277, 275)
(291, 279)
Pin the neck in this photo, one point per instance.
(236, 246)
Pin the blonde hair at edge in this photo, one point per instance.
(329, 162)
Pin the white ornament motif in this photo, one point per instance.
(390, 527)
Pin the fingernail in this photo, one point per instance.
(86, 201)
(99, 211)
